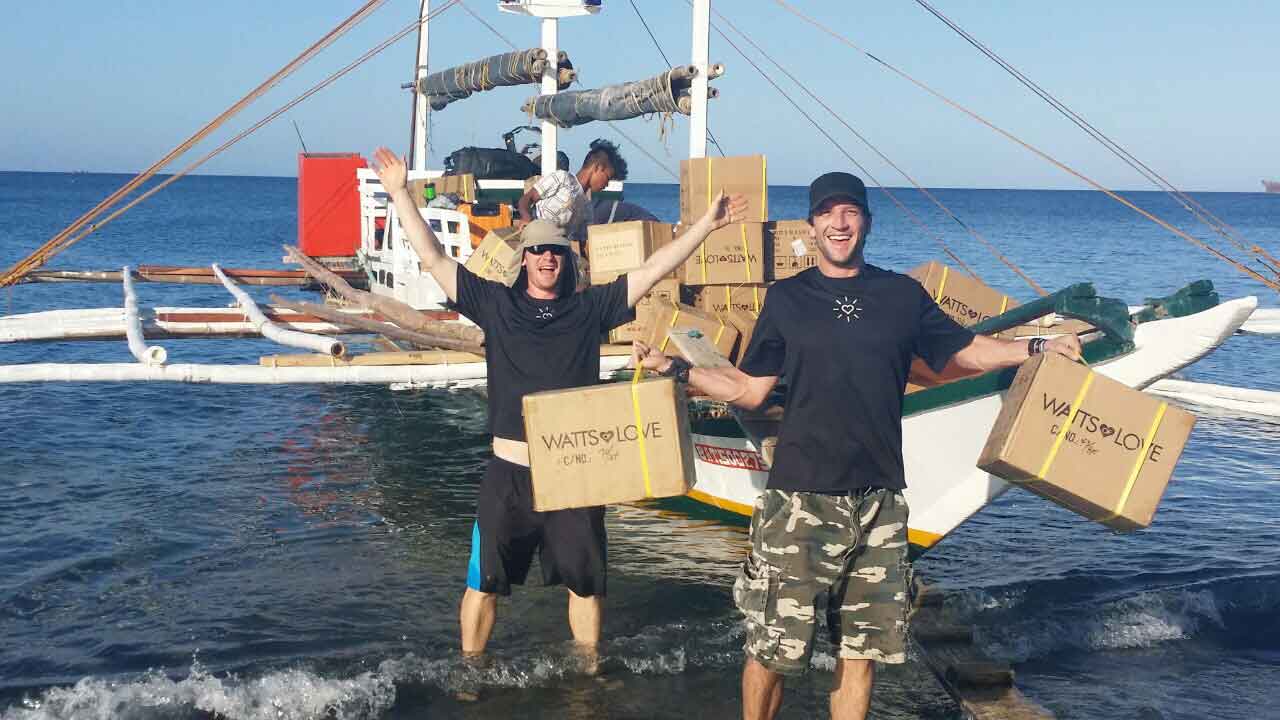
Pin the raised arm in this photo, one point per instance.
(727, 384)
(392, 172)
(723, 210)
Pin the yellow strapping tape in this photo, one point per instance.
(1004, 305)
(720, 332)
(1137, 464)
(667, 338)
(746, 254)
(942, 285)
(764, 188)
(635, 406)
(1062, 432)
(702, 249)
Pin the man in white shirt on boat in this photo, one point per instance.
(829, 533)
(564, 198)
(540, 334)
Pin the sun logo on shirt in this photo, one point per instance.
(847, 309)
(544, 313)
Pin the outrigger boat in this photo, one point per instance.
(944, 427)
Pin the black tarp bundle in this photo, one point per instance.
(521, 67)
(659, 94)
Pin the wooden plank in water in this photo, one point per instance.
(983, 688)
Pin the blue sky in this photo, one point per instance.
(1189, 87)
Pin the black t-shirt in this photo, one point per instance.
(844, 347)
(533, 345)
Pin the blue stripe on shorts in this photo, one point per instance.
(473, 568)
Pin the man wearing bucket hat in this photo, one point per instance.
(539, 335)
(829, 533)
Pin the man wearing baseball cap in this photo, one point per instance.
(539, 335)
(829, 533)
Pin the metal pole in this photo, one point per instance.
(418, 151)
(550, 86)
(701, 60)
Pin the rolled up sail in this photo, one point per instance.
(522, 67)
(660, 94)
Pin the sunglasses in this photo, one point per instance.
(554, 249)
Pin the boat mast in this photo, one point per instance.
(701, 60)
(418, 141)
(550, 11)
(550, 86)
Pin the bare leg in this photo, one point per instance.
(585, 615)
(761, 691)
(477, 614)
(851, 694)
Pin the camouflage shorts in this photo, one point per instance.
(843, 556)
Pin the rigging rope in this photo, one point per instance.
(924, 227)
(1043, 155)
(978, 236)
(256, 126)
(611, 124)
(63, 239)
(1189, 204)
(667, 62)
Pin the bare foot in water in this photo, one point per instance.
(466, 681)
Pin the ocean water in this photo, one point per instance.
(174, 551)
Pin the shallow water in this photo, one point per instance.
(176, 551)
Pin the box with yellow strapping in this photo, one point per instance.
(732, 255)
(967, 300)
(702, 178)
(664, 292)
(464, 186)
(617, 248)
(1086, 442)
(744, 321)
(677, 316)
(789, 248)
(611, 443)
(720, 299)
(497, 257)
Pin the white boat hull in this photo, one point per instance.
(941, 446)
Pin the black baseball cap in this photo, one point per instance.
(837, 185)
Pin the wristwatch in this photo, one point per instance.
(678, 369)
(1035, 346)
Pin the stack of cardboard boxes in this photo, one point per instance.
(720, 289)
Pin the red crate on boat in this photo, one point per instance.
(328, 204)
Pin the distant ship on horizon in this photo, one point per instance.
(1271, 186)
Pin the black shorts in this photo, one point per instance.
(571, 544)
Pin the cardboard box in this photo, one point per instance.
(744, 321)
(965, 299)
(665, 292)
(789, 248)
(616, 248)
(497, 257)
(1086, 442)
(720, 299)
(702, 178)
(680, 317)
(464, 186)
(732, 255)
(592, 446)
